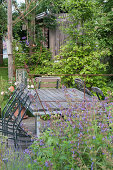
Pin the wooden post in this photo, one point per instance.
(9, 40)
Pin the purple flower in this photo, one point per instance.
(35, 160)
(23, 38)
(27, 151)
(46, 164)
(92, 165)
(27, 43)
(94, 137)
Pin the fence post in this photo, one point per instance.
(21, 77)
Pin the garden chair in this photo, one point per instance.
(10, 103)
(48, 82)
(11, 125)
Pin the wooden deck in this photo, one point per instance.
(54, 99)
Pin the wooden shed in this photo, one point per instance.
(54, 37)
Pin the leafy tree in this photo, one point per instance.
(104, 30)
(81, 54)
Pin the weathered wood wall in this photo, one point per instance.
(56, 36)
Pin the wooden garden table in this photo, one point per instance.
(52, 101)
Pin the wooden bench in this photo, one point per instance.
(48, 82)
(11, 125)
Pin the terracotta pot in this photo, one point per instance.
(11, 88)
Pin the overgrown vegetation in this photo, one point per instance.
(82, 53)
(81, 139)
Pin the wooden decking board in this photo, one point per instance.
(69, 94)
(46, 97)
(74, 95)
(54, 91)
(56, 99)
(59, 98)
(54, 96)
(60, 93)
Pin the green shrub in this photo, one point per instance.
(80, 60)
(4, 92)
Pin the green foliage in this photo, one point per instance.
(3, 20)
(4, 73)
(19, 50)
(81, 141)
(3, 142)
(48, 21)
(39, 61)
(4, 92)
(5, 62)
(104, 30)
(81, 21)
(54, 6)
(80, 60)
(45, 117)
(4, 89)
(81, 54)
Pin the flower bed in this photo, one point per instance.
(80, 140)
(83, 140)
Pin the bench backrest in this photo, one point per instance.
(48, 82)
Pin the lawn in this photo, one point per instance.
(4, 73)
(4, 69)
(3, 83)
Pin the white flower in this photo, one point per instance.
(32, 86)
(2, 93)
(16, 48)
(28, 80)
(28, 86)
(15, 83)
(9, 88)
(56, 61)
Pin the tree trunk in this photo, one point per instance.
(1, 51)
(9, 40)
